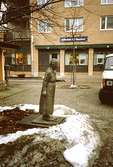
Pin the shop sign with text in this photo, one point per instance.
(74, 39)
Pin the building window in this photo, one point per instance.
(106, 23)
(21, 58)
(70, 59)
(44, 26)
(67, 59)
(54, 56)
(100, 59)
(73, 3)
(42, 2)
(12, 58)
(106, 1)
(74, 25)
(46, 3)
(82, 59)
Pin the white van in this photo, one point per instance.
(106, 91)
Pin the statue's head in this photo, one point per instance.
(53, 63)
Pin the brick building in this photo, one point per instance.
(3, 47)
(72, 29)
(18, 33)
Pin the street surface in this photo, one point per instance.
(84, 98)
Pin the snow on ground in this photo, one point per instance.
(5, 108)
(77, 130)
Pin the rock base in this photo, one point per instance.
(37, 121)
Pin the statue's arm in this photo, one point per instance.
(59, 79)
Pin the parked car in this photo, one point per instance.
(106, 91)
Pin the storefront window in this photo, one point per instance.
(13, 58)
(83, 59)
(82, 62)
(70, 59)
(100, 58)
(29, 59)
(54, 56)
(67, 59)
(21, 58)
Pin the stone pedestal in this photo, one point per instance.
(35, 120)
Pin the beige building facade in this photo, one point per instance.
(18, 34)
(77, 33)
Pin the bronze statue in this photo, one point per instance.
(48, 92)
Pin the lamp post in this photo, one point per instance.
(73, 85)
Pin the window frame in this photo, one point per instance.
(106, 3)
(48, 29)
(67, 59)
(79, 3)
(51, 56)
(100, 56)
(40, 3)
(83, 56)
(80, 27)
(106, 21)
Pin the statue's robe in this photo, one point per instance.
(47, 101)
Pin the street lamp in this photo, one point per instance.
(74, 55)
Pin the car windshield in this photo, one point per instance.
(109, 63)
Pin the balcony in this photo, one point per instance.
(20, 67)
(2, 34)
(22, 35)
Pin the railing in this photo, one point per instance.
(42, 68)
(17, 36)
(20, 67)
(79, 68)
(2, 33)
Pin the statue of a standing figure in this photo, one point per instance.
(48, 92)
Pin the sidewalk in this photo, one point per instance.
(31, 86)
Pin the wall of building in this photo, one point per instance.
(98, 44)
(91, 11)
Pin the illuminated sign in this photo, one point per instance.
(74, 39)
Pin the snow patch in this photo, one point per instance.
(77, 130)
